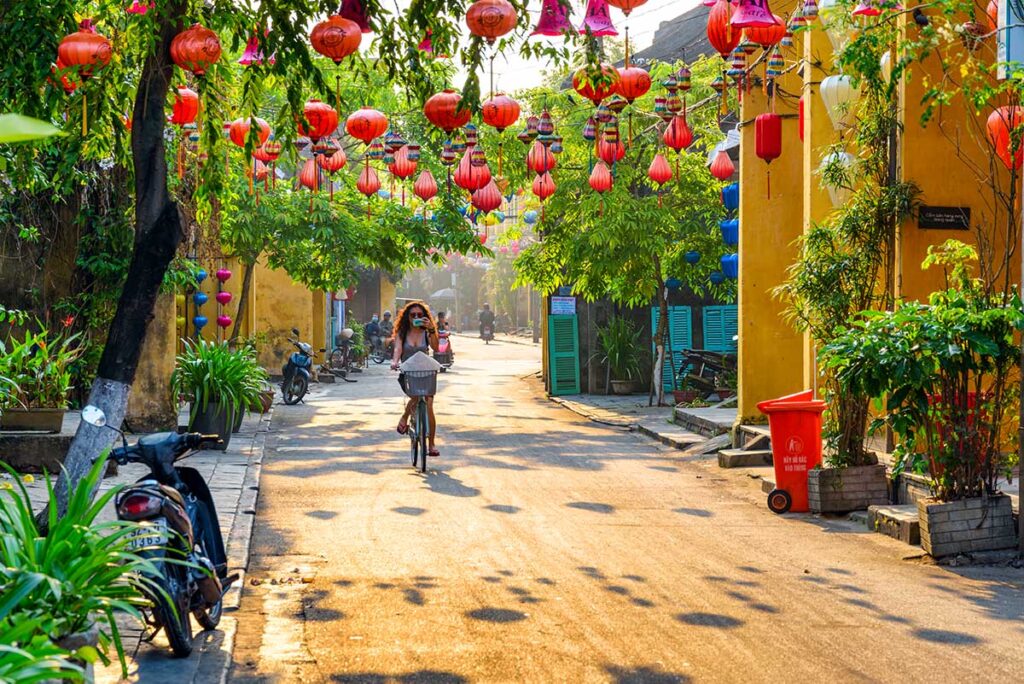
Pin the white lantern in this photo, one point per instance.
(832, 18)
(839, 96)
(885, 64)
(839, 194)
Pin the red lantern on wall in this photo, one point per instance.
(768, 140)
(487, 198)
(322, 118)
(336, 38)
(722, 167)
(196, 49)
(722, 36)
(992, 15)
(540, 158)
(596, 87)
(501, 111)
(425, 186)
(491, 19)
(634, 83)
(185, 108)
(445, 111)
(366, 124)
(1000, 126)
(767, 36)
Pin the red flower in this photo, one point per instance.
(68, 321)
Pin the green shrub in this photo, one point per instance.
(211, 371)
(621, 348)
(36, 369)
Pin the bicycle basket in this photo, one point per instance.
(420, 383)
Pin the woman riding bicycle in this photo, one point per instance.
(415, 332)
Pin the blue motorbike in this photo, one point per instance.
(297, 371)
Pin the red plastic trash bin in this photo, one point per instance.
(795, 425)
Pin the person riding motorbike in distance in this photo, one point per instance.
(486, 319)
(387, 326)
(416, 331)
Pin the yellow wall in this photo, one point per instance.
(150, 404)
(388, 290)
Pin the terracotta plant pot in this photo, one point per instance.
(38, 420)
(685, 396)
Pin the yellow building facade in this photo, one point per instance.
(774, 359)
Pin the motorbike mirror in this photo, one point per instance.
(94, 415)
(295, 331)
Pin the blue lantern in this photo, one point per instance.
(731, 196)
(730, 231)
(199, 322)
(692, 257)
(200, 298)
(200, 275)
(673, 283)
(383, 194)
(463, 209)
(530, 217)
(716, 277)
(731, 266)
(500, 215)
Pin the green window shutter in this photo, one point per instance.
(720, 326)
(680, 330)
(564, 354)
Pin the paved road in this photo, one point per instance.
(543, 548)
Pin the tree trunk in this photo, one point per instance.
(243, 300)
(158, 232)
(657, 389)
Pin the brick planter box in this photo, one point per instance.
(841, 490)
(966, 526)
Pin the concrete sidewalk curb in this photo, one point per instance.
(575, 408)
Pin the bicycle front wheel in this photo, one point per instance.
(423, 424)
(413, 439)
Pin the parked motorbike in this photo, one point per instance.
(179, 532)
(297, 371)
(444, 354)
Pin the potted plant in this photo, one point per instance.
(621, 349)
(37, 368)
(63, 587)
(687, 393)
(219, 382)
(945, 369)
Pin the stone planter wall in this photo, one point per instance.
(966, 526)
(841, 490)
(911, 488)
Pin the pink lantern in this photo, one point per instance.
(600, 178)
(554, 19)
(503, 249)
(223, 321)
(253, 54)
(223, 298)
(752, 13)
(223, 275)
(353, 10)
(425, 186)
(598, 20)
(543, 186)
(487, 198)
(722, 167)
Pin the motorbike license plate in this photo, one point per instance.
(148, 534)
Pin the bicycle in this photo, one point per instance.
(378, 352)
(420, 385)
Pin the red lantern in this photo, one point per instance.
(626, 6)
(540, 158)
(445, 111)
(332, 163)
(491, 19)
(310, 175)
(425, 186)
(800, 117)
(186, 106)
(66, 83)
(268, 151)
(366, 124)
(543, 186)
(501, 111)
(678, 135)
(767, 36)
(353, 10)
(992, 12)
(634, 83)
(403, 167)
(368, 182)
(600, 177)
(336, 38)
(84, 51)
(239, 130)
(659, 172)
(596, 88)
(1000, 126)
(469, 176)
(722, 167)
(322, 118)
(487, 198)
(768, 140)
(610, 152)
(195, 49)
(722, 36)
